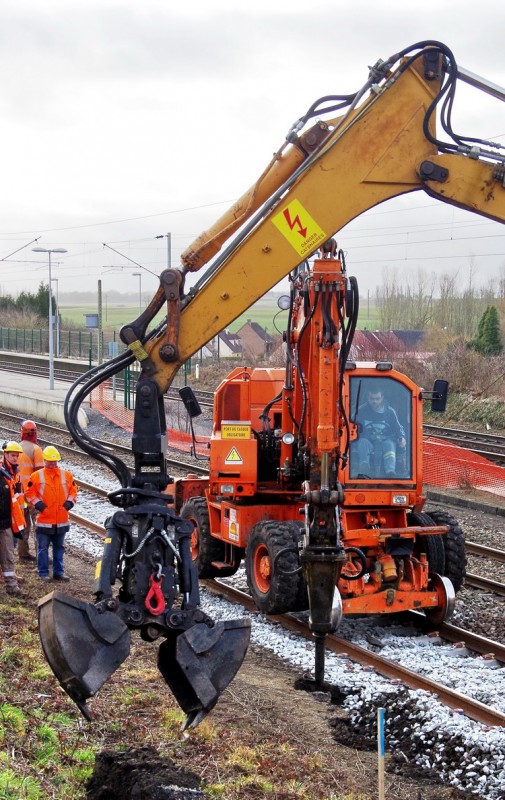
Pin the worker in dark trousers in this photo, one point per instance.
(52, 491)
(29, 461)
(12, 518)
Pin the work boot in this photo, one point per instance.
(44, 578)
(64, 578)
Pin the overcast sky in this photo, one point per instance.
(124, 120)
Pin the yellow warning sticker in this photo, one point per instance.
(235, 430)
(299, 228)
(233, 457)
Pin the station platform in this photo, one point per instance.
(30, 396)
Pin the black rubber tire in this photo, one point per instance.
(209, 548)
(432, 545)
(302, 597)
(454, 543)
(273, 541)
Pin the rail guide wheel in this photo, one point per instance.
(447, 599)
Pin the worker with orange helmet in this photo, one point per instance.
(52, 492)
(12, 519)
(29, 461)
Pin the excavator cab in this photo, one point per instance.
(381, 411)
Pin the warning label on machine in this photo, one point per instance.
(235, 430)
(299, 228)
(233, 457)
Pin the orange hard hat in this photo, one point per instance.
(28, 425)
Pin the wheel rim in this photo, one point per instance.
(447, 599)
(262, 568)
(194, 541)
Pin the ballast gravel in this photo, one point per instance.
(464, 754)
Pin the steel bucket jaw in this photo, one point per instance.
(85, 647)
(82, 646)
(199, 664)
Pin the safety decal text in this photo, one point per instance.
(299, 228)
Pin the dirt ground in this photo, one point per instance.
(262, 729)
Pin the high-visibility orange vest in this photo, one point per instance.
(53, 487)
(17, 500)
(30, 460)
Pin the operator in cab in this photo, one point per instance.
(379, 434)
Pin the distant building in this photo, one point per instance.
(256, 342)
(229, 345)
(376, 345)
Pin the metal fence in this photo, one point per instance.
(83, 345)
(79, 344)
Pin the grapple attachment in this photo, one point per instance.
(200, 663)
(82, 646)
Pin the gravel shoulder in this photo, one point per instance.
(263, 739)
(261, 733)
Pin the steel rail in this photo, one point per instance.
(472, 708)
(479, 644)
(87, 523)
(484, 584)
(474, 549)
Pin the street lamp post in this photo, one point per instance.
(168, 237)
(57, 315)
(51, 343)
(139, 276)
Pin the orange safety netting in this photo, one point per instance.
(445, 465)
(454, 467)
(102, 399)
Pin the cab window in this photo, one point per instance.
(382, 410)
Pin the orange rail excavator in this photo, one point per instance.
(316, 469)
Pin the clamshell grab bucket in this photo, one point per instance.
(199, 664)
(82, 646)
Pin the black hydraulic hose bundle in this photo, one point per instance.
(448, 92)
(299, 371)
(348, 331)
(90, 380)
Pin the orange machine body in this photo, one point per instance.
(282, 437)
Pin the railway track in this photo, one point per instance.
(387, 667)
(488, 445)
(478, 581)
(52, 434)
(384, 666)
(205, 398)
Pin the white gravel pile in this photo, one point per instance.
(463, 753)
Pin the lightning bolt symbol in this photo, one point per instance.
(296, 221)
